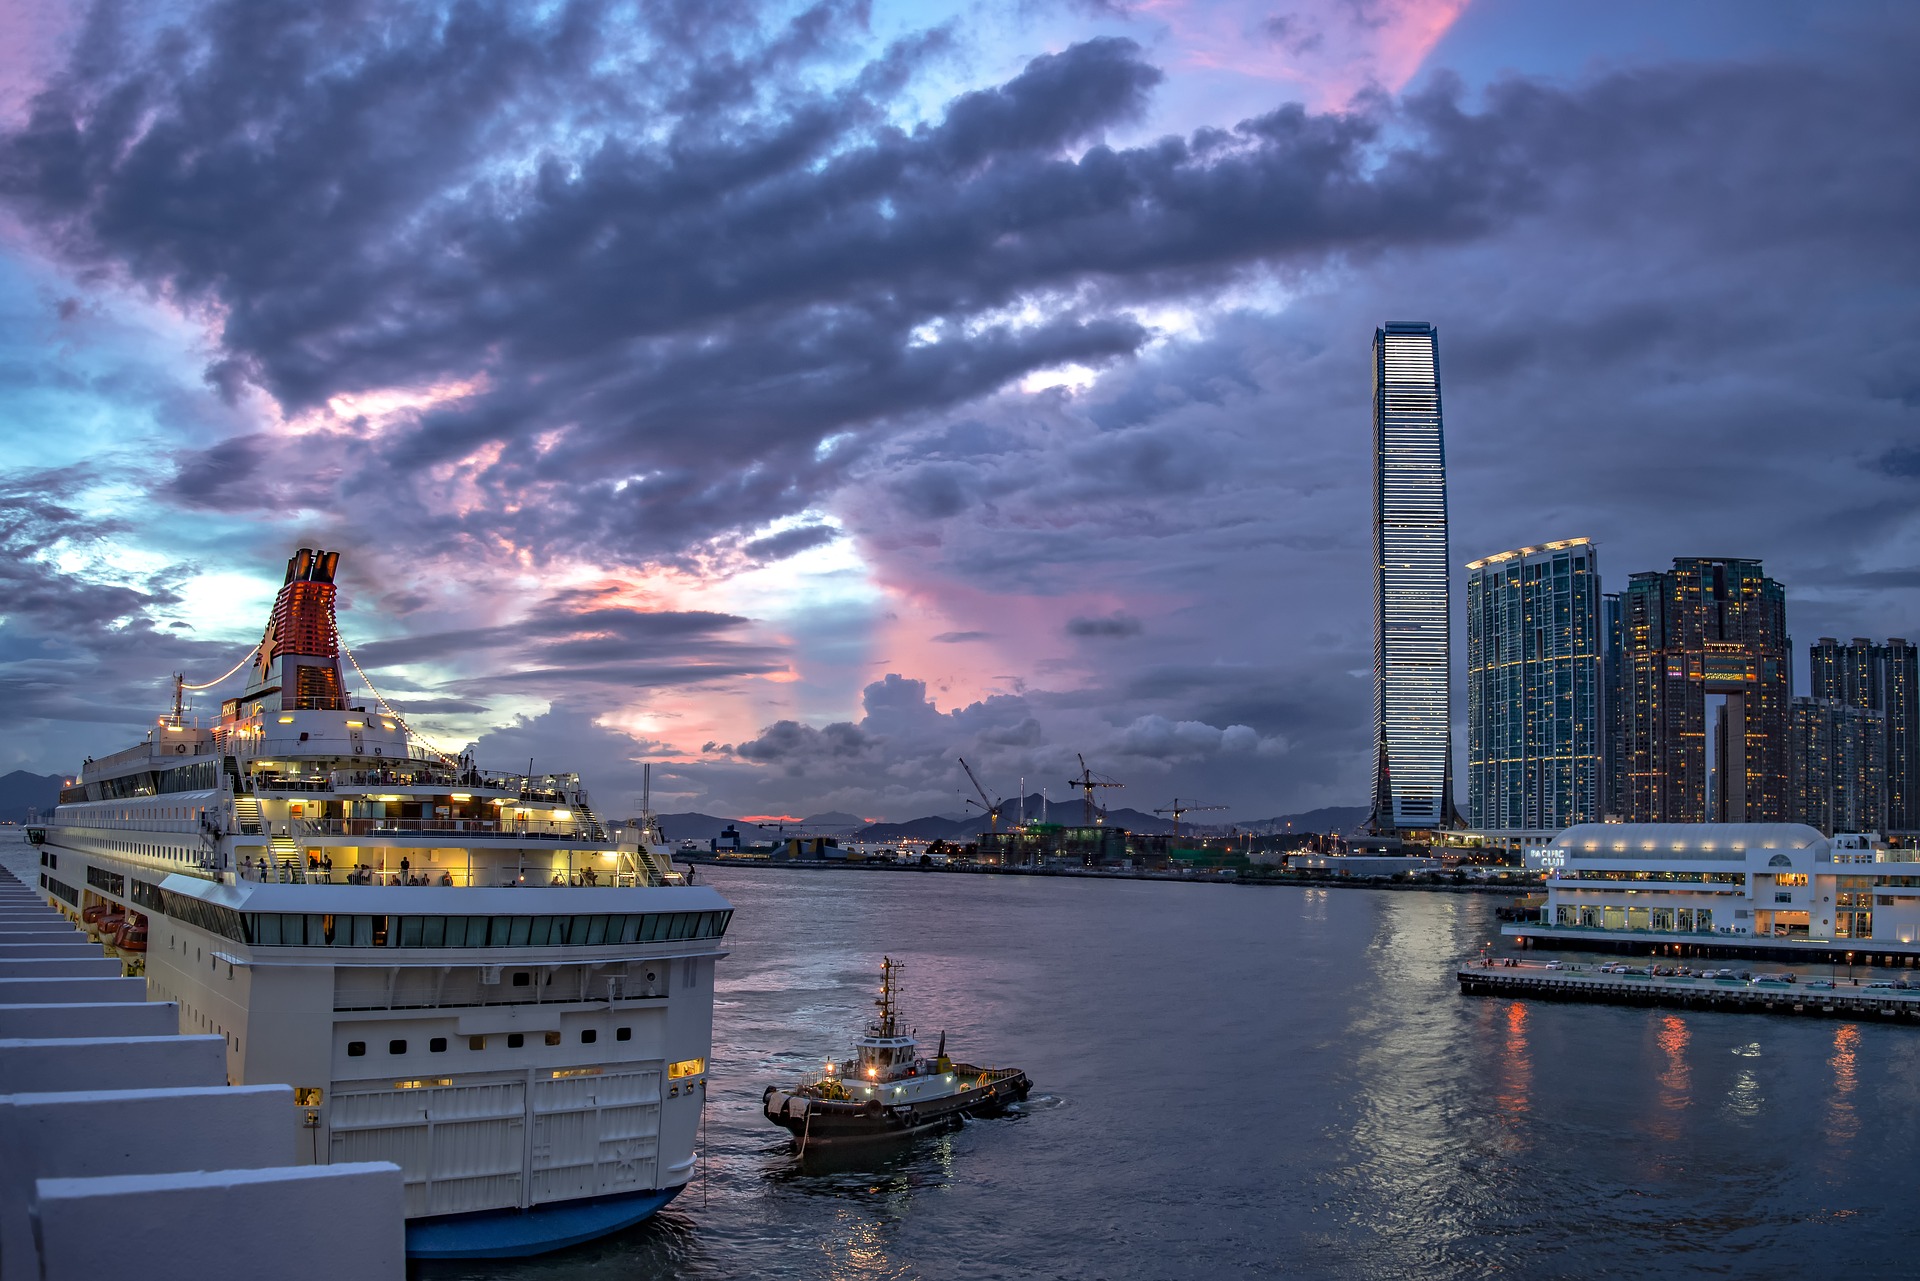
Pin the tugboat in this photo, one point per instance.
(887, 1090)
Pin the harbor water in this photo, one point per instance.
(1240, 1081)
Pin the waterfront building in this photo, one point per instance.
(1837, 762)
(1534, 687)
(1879, 679)
(1412, 654)
(1729, 883)
(1711, 629)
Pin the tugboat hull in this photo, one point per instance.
(838, 1123)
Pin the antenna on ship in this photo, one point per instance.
(179, 697)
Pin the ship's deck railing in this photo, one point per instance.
(405, 775)
(531, 829)
(263, 870)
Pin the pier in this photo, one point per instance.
(1819, 998)
(122, 1144)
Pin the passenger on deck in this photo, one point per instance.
(446, 878)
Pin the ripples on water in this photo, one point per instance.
(1248, 1082)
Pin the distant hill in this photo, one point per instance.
(1337, 818)
(1332, 818)
(704, 827)
(831, 823)
(21, 791)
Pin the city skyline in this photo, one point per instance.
(985, 387)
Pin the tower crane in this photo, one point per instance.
(1086, 783)
(1177, 809)
(990, 808)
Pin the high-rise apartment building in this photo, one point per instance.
(1837, 762)
(1710, 631)
(1900, 678)
(1412, 675)
(1534, 702)
(1879, 679)
(1614, 707)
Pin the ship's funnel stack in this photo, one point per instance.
(298, 666)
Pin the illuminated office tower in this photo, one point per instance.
(1413, 705)
(1534, 729)
(1615, 705)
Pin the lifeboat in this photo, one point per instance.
(92, 913)
(132, 936)
(109, 925)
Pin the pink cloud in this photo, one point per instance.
(1333, 48)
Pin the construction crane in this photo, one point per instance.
(1177, 809)
(990, 808)
(1086, 783)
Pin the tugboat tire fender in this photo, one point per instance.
(873, 1107)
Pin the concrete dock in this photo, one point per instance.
(1819, 998)
(122, 1143)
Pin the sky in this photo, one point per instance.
(799, 398)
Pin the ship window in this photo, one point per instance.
(521, 978)
(553, 1038)
(629, 928)
(356, 1049)
(434, 930)
(522, 926)
(499, 931)
(541, 927)
(623, 1034)
(477, 931)
(597, 930)
(266, 928)
(396, 1047)
(410, 930)
(319, 930)
(476, 1043)
(438, 1045)
(588, 1036)
(578, 934)
(515, 1040)
(454, 930)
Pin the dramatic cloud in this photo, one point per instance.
(681, 371)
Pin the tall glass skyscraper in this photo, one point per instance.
(1534, 679)
(1412, 675)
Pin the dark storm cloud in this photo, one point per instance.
(1112, 627)
(789, 542)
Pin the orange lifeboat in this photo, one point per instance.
(92, 913)
(132, 936)
(109, 925)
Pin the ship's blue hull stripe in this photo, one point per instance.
(514, 1234)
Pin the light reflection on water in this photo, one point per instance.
(1253, 1082)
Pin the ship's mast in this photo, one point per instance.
(179, 697)
(887, 967)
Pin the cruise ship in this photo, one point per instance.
(467, 973)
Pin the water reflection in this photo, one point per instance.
(1676, 1082)
(1516, 1076)
(1843, 1122)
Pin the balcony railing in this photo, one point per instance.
(531, 830)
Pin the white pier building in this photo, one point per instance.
(1774, 885)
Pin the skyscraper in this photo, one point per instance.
(1901, 679)
(1412, 652)
(1615, 707)
(1878, 679)
(1710, 629)
(1534, 687)
(1837, 762)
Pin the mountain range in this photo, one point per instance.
(949, 827)
(21, 791)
